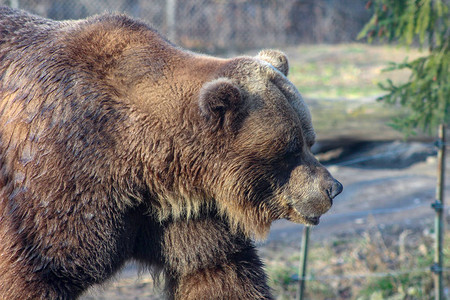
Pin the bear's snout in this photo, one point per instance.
(310, 192)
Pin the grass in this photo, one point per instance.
(339, 84)
(350, 119)
(338, 269)
(348, 71)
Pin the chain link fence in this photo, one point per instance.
(214, 26)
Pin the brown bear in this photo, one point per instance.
(117, 145)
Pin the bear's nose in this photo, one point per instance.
(335, 189)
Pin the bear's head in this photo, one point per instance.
(263, 168)
(233, 135)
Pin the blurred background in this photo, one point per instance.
(378, 241)
(222, 26)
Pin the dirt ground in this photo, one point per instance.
(384, 184)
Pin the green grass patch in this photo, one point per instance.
(349, 71)
(339, 83)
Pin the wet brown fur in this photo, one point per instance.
(117, 145)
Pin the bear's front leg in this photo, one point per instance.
(204, 260)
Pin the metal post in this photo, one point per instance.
(14, 3)
(303, 259)
(438, 206)
(171, 8)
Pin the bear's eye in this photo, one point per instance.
(291, 155)
(294, 148)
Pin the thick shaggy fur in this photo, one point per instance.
(117, 145)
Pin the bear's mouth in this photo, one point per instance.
(303, 219)
(311, 220)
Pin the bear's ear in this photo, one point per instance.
(276, 58)
(219, 103)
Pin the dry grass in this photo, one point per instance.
(377, 264)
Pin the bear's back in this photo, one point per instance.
(18, 29)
